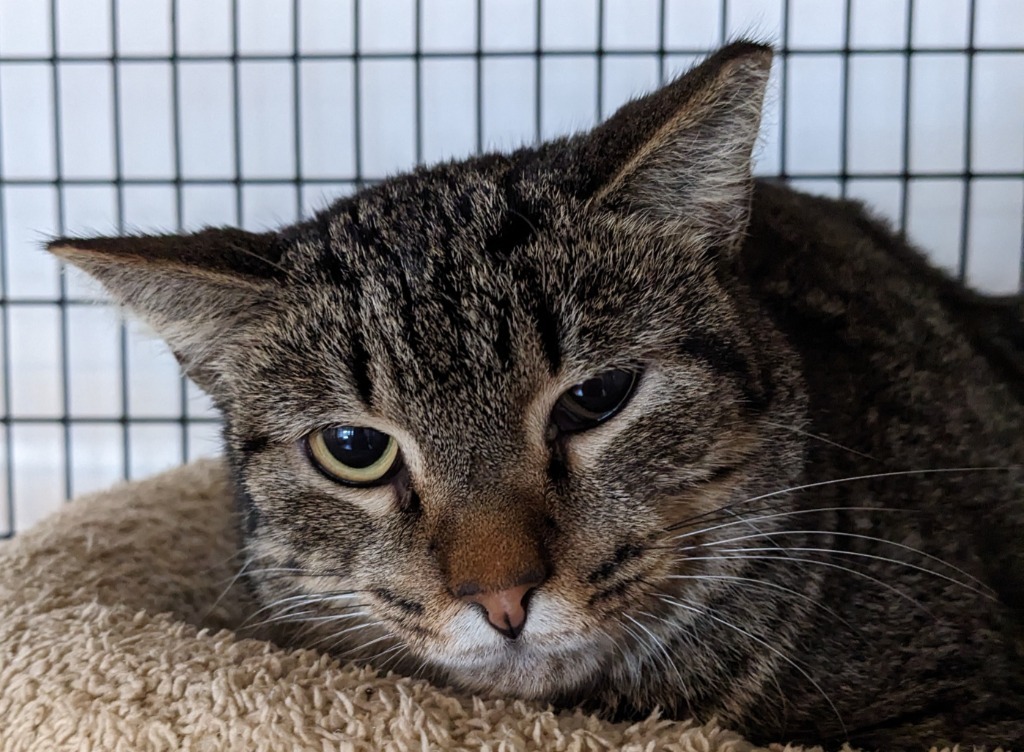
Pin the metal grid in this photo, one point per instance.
(45, 448)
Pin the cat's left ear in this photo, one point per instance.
(196, 291)
(681, 157)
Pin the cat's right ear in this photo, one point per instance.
(195, 291)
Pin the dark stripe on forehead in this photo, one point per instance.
(516, 229)
(359, 366)
(727, 360)
(549, 329)
(406, 306)
(503, 335)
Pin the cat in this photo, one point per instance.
(608, 423)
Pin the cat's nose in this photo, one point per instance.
(506, 609)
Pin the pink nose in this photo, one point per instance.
(506, 609)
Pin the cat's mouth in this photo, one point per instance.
(551, 656)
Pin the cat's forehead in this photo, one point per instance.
(470, 249)
(491, 203)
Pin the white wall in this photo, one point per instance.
(301, 120)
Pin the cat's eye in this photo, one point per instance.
(592, 402)
(355, 455)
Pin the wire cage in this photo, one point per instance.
(158, 115)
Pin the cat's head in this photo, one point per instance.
(467, 409)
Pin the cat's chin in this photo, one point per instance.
(525, 671)
(538, 665)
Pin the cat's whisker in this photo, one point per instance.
(338, 636)
(615, 641)
(291, 603)
(771, 535)
(399, 650)
(286, 575)
(688, 636)
(818, 562)
(365, 645)
(291, 616)
(695, 608)
(280, 618)
(773, 586)
(419, 665)
(313, 597)
(226, 560)
(226, 590)
(837, 481)
(657, 652)
(817, 437)
(728, 514)
(626, 628)
(262, 572)
(660, 642)
(779, 515)
(748, 522)
(308, 617)
(859, 554)
(636, 659)
(277, 570)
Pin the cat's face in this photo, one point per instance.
(466, 350)
(468, 410)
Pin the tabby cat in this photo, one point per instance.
(606, 422)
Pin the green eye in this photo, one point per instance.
(354, 455)
(592, 402)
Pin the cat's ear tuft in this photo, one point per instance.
(195, 291)
(681, 156)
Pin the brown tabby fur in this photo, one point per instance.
(785, 341)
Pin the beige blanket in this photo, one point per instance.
(112, 637)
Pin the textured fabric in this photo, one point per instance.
(114, 635)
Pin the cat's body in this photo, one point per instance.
(470, 323)
(903, 365)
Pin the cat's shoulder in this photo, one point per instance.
(839, 236)
(831, 264)
(815, 244)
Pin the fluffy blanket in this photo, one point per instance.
(115, 634)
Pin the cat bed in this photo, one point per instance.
(116, 634)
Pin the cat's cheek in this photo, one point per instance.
(554, 619)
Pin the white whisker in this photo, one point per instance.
(338, 636)
(831, 565)
(771, 585)
(875, 557)
(307, 617)
(226, 590)
(366, 644)
(837, 481)
(822, 439)
(291, 603)
(775, 515)
(656, 643)
(694, 608)
(400, 647)
(858, 536)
